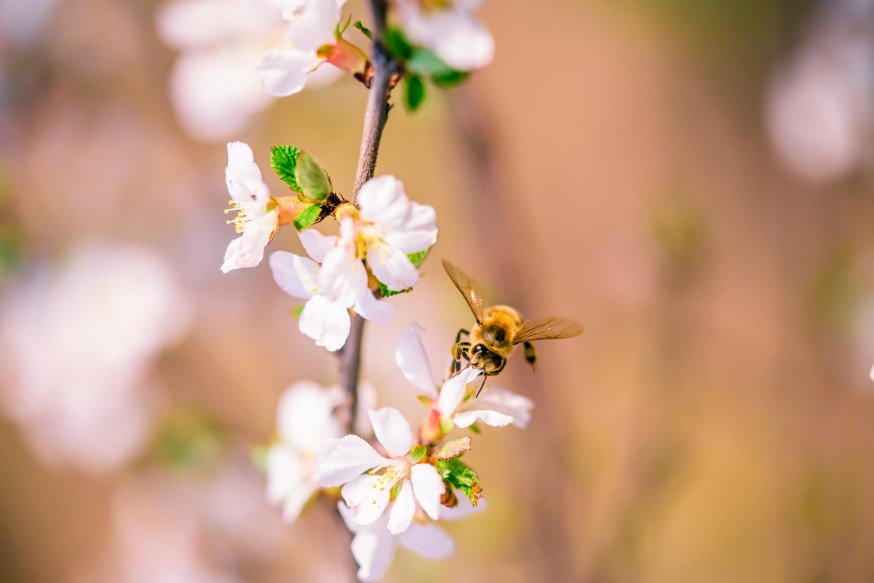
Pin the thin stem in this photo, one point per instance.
(375, 117)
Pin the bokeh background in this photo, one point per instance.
(691, 180)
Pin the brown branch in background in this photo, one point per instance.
(375, 116)
(490, 197)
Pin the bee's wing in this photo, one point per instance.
(548, 328)
(468, 288)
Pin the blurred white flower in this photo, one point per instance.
(304, 419)
(495, 407)
(448, 28)
(213, 85)
(311, 32)
(373, 545)
(335, 282)
(818, 110)
(80, 341)
(257, 214)
(343, 461)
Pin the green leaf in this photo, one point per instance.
(417, 453)
(296, 312)
(416, 259)
(307, 217)
(397, 44)
(313, 179)
(283, 159)
(414, 92)
(460, 476)
(427, 63)
(366, 31)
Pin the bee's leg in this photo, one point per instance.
(461, 333)
(530, 355)
(459, 350)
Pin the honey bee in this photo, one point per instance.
(499, 329)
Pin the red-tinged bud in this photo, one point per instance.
(431, 431)
(348, 57)
(289, 208)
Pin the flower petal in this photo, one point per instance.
(457, 37)
(403, 510)
(418, 232)
(288, 481)
(428, 487)
(370, 308)
(392, 430)
(428, 540)
(391, 266)
(247, 250)
(411, 358)
(316, 244)
(493, 418)
(453, 390)
(295, 275)
(343, 277)
(326, 322)
(340, 460)
(313, 24)
(242, 175)
(367, 496)
(382, 201)
(373, 549)
(305, 415)
(507, 403)
(285, 72)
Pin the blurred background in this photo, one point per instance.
(690, 180)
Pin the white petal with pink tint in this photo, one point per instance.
(325, 321)
(411, 358)
(392, 430)
(428, 487)
(340, 460)
(403, 510)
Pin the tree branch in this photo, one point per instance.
(375, 117)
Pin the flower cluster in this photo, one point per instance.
(396, 490)
(379, 241)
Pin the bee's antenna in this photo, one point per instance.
(481, 386)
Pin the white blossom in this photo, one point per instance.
(389, 227)
(257, 216)
(79, 342)
(344, 461)
(305, 417)
(332, 282)
(449, 29)
(373, 545)
(312, 27)
(495, 407)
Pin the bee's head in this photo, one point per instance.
(486, 360)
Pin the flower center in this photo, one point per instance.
(389, 475)
(241, 219)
